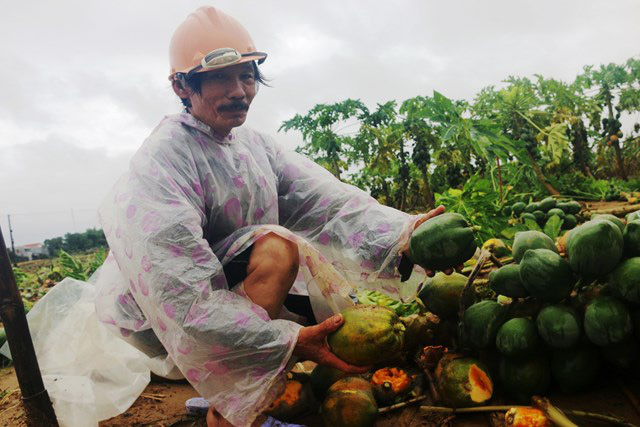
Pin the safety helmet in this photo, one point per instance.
(209, 39)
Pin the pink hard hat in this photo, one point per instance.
(208, 39)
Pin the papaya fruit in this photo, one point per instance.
(442, 242)
(294, 400)
(574, 369)
(631, 238)
(526, 417)
(555, 211)
(563, 206)
(370, 334)
(390, 384)
(573, 207)
(559, 326)
(506, 281)
(607, 321)
(608, 217)
(546, 275)
(517, 337)
(594, 248)
(570, 221)
(481, 323)
(350, 404)
(497, 247)
(548, 203)
(322, 377)
(463, 381)
(523, 377)
(525, 240)
(531, 207)
(632, 216)
(441, 294)
(625, 280)
(517, 208)
(540, 216)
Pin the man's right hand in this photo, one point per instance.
(312, 345)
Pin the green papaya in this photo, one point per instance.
(523, 377)
(548, 203)
(594, 248)
(442, 242)
(517, 337)
(555, 211)
(573, 207)
(541, 217)
(506, 281)
(563, 206)
(608, 217)
(625, 280)
(546, 275)
(559, 326)
(463, 381)
(632, 216)
(517, 208)
(607, 321)
(631, 237)
(570, 221)
(528, 215)
(370, 334)
(574, 369)
(525, 240)
(441, 294)
(507, 210)
(531, 207)
(481, 323)
(322, 377)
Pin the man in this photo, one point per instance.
(215, 225)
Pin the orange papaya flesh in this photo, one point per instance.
(293, 401)
(463, 381)
(526, 417)
(390, 383)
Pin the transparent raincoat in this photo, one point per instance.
(192, 201)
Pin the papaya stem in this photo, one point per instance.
(554, 414)
(465, 296)
(402, 404)
(495, 261)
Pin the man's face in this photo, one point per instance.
(225, 97)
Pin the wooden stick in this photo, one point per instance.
(622, 210)
(401, 404)
(35, 398)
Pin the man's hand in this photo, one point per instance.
(312, 345)
(422, 218)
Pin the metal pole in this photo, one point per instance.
(35, 398)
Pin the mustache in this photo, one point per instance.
(234, 106)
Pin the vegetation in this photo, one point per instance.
(528, 139)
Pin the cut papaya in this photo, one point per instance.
(463, 381)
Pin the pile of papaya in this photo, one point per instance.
(548, 321)
(540, 212)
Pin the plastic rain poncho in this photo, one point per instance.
(190, 202)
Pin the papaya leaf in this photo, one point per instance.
(510, 232)
(553, 226)
(532, 225)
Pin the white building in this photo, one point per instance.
(31, 249)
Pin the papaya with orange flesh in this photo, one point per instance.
(390, 384)
(294, 400)
(463, 381)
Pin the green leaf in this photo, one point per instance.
(553, 226)
(532, 225)
(510, 232)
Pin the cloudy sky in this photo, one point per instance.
(82, 83)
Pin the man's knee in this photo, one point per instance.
(277, 252)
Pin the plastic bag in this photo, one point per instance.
(89, 373)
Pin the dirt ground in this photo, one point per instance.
(162, 404)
